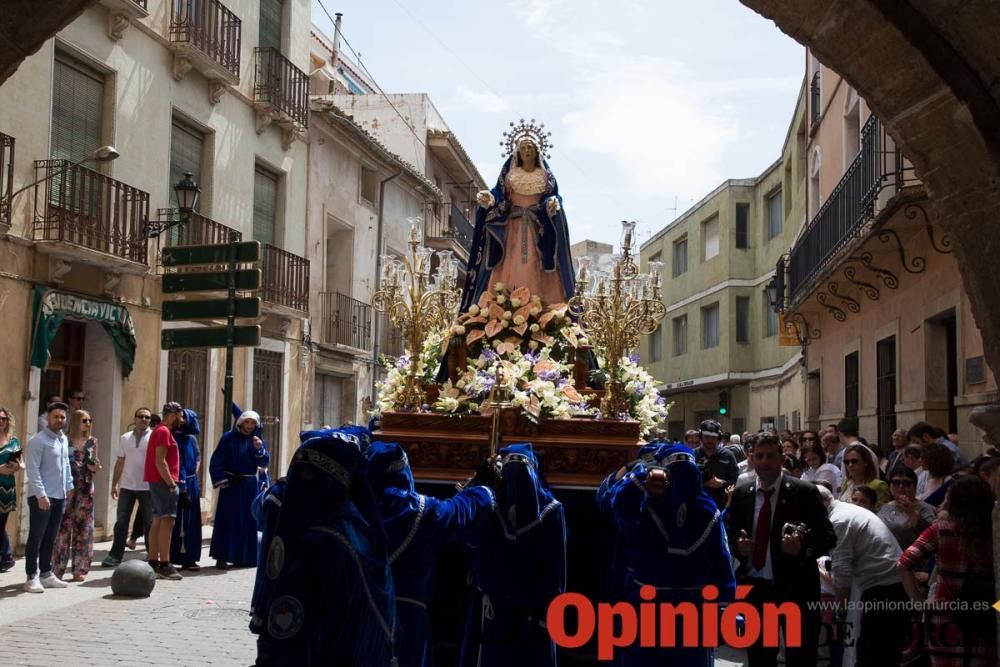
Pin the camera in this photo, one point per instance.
(797, 529)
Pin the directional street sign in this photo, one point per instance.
(244, 336)
(208, 309)
(246, 279)
(247, 251)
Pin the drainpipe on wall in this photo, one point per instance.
(379, 251)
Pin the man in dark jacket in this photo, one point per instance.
(778, 559)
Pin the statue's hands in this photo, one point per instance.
(552, 206)
(485, 198)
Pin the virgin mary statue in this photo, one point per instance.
(521, 238)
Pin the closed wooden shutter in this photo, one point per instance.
(265, 205)
(77, 109)
(187, 147)
(270, 23)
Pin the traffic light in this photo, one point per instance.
(723, 402)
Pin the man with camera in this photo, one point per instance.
(718, 464)
(778, 527)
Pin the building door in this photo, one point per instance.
(329, 395)
(950, 325)
(64, 372)
(852, 385)
(187, 383)
(267, 399)
(885, 352)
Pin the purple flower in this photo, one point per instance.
(532, 357)
(640, 389)
(549, 376)
(634, 358)
(661, 401)
(489, 354)
(403, 361)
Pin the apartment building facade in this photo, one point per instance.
(213, 88)
(718, 347)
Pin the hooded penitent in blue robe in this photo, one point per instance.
(621, 555)
(233, 468)
(678, 546)
(266, 509)
(490, 231)
(327, 597)
(185, 545)
(416, 526)
(518, 560)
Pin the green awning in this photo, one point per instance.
(51, 307)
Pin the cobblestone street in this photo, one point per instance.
(201, 620)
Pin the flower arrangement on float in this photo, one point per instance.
(512, 332)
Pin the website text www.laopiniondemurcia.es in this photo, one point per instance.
(618, 625)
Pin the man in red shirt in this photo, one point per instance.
(162, 472)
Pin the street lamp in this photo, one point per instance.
(102, 154)
(772, 293)
(187, 192)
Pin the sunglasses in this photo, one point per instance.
(143, 416)
(850, 462)
(87, 421)
(4, 418)
(902, 482)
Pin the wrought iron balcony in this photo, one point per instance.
(6, 176)
(815, 99)
(285, 279)
(83, 207)
(456, 227)
(390, 339)
(198, 230)
(209, 33)
(346, 321)
(281, 86)
(878, 166)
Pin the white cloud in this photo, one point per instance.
(649, 118)
(485, 101)
(534, 12)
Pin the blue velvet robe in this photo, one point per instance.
(678, 545)
(490, 231)
(518, 562)
(266, 509)
(326, 597)
(234, 463)
(416, 526)
(185, 545)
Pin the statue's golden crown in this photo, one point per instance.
(527, 130)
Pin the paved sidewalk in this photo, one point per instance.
(201, 620)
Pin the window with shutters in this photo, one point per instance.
(656, 344)
(265, 205)
(770, 319)
(680, 335)
(742, 319)
(269, 34)
(77, 109)
(369, 186)
(328, 394)
(742, 226)
(710, 326)
(680, 257)
(774, 214)
(885, 353)
(187, 146)
(710, 238)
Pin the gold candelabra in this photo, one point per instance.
(615, 309)
(417, 303)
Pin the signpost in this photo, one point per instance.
(231, 278)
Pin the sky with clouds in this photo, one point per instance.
(651, 104)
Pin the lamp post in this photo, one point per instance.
(102, 154)
(615, 309)
(187, 191)
(417, 303)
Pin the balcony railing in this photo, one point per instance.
(346, 321)
(84, 207)
(456, 226)
(281, 85)
(878, 166)
(815, 98)
(198, 230)
(6, 176)
(285, 278)
(209, 26)
(390, 339)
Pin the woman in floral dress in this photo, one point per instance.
(10, 463)
(76, 534)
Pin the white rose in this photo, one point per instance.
(460, 330)
(480, 362)
(496, 344)
(535, 328)
(536, 311)
(473, 310)
(515, 302)
(507, 315)
(519, 320)
(533, 344)
(499, 287)
(501, 299)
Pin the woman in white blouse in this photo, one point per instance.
(816, 466)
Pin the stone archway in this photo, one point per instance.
(931, 72)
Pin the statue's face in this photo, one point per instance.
(527, 151)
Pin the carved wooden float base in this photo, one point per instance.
(574, 452)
